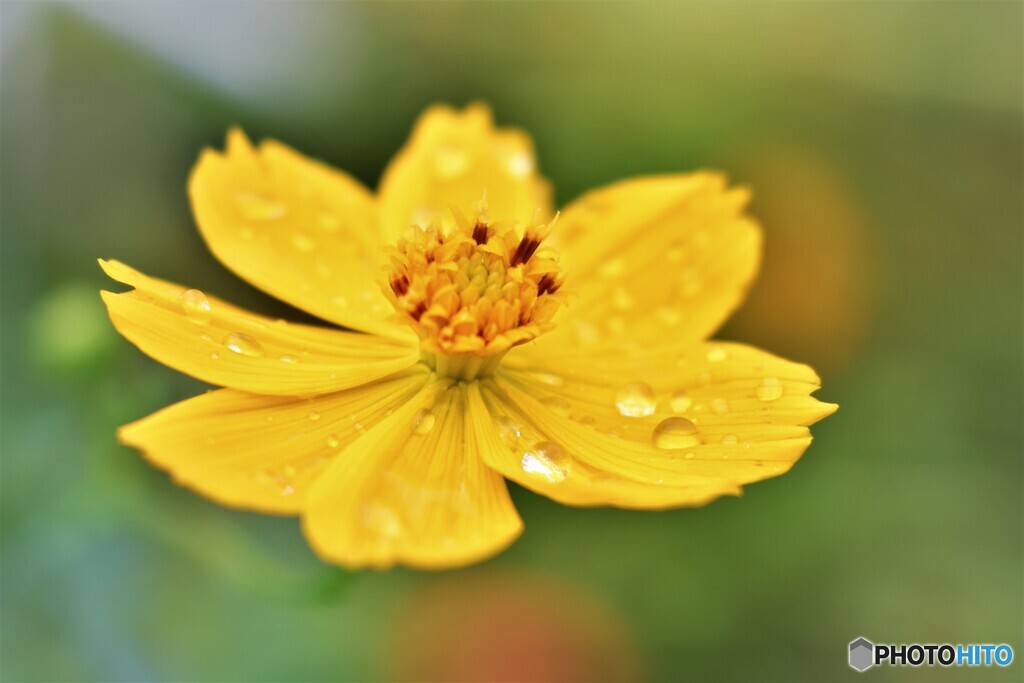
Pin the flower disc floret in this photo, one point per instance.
(474, 291)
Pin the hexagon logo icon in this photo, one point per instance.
(862, 654)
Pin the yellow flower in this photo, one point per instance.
(493, 340)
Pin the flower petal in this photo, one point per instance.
(723, 411)
(218, 343)
(295, 228)
(412, 491)
(262, 452)
(575, 464)
(650, 258)
(452, 159)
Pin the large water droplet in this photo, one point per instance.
(196, 305)
(508, 430)
(716, 353)
(557, 404)
(548, 461)
(332, 441)
(636, 399)
(676, 433)
(770, 389)
(423, 422)
(719, 406)
(257, 207)
(314, 416)
(242, 343)
(680, 402)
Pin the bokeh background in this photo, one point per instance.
(885, 146)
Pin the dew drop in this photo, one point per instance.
(680, 402)
(303, 242)
(196, 305)
(719, 406)
(332, 441)
(256, 207)
(636, 399)
(669, 316)
(621, 299)
(450, 161)
(729, 439)
(716, 353)
(550, 379)
(423, 422)
(382, 519)
(314, 416)
(557, 404)
(676, 433)
(244, 344)
(548, 461)
(508, 430)
(520, 164)
(770, 389)
(287, 359)
(327, 221)
(214, 355)
(613, 268)
(688, 456)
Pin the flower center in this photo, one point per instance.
(474, 291)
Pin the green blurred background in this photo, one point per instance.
(884, 144)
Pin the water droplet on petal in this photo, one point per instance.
(548, 461)
(196, 305)
(423, 422)
(244, 344)
(450, 161)
(680, 402)
(688, 456)
(256, 207)
(550, 379)
(557, 404)
(676, 433)
(214, 355)
(770, 389)
(287, 359)
(716, 353)
(613, 268)
(508, 430)
(332, 441)
(314, 416)
(636, 399)
(520, 164)
(621, 299)
(382, 519)
(729, 439)
(327, 221)
(303, 242)
(719, 406)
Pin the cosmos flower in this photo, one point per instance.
(475, 336)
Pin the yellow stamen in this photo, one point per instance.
(474, 291)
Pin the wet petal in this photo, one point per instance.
(412, 491)
(295, 228)
(538, 446)
(224, 345)
(262, 452)
(724, 411)
(653, 258)
(451, 159)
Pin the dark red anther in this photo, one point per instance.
(418, 312)
(524, 251)
(400, 285)
(547, 285)
(480, 233)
